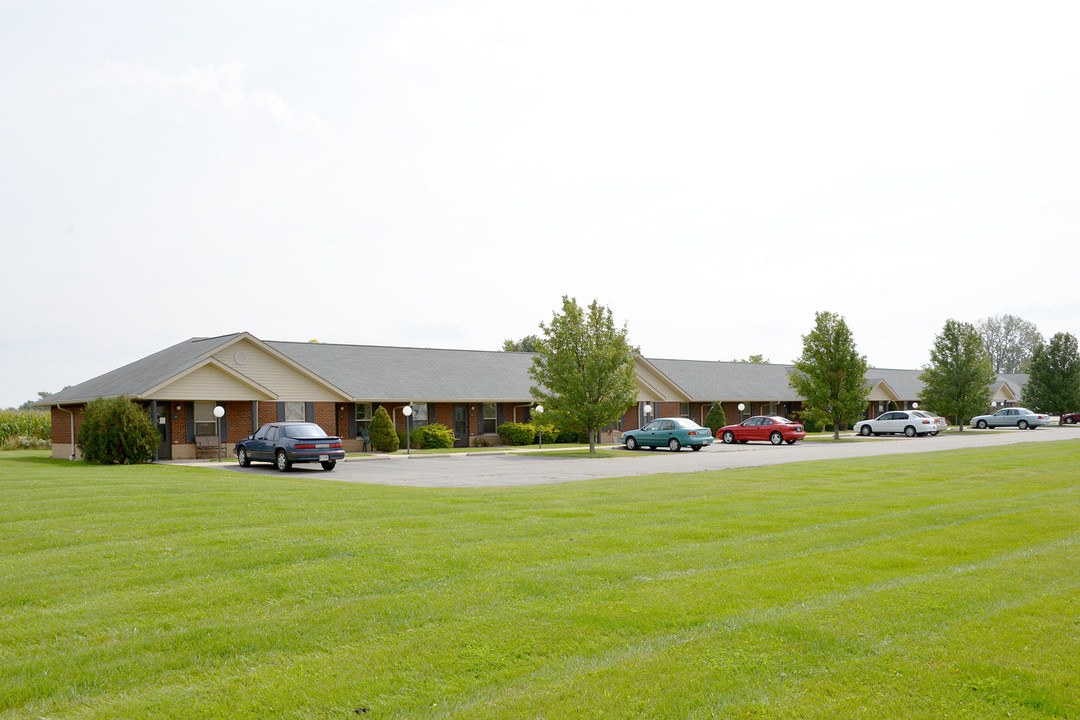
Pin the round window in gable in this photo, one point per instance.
(241, 357)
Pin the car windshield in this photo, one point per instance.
(688, 424)
(303, 430)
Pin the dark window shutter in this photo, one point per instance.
(350, 408)
(223, 425)
(254, 416)
(499, 415)
(309, 411)
(280, 411)
(189, 421)
(431, 414)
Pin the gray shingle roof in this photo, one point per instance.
(708, 380)
(377, 373)
(136, 378)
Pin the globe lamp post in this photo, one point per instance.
(539, 427)
(407, 412)
(218, 412)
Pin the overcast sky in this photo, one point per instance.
(439, 174)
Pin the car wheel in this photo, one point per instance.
(909, 431)
(1070, 421)
(674, 445)
(241, 457)
(1023, 424)
(791, 442)
(729, 437)
(328, 464)
(934, 434)
(631, 443)
(981, 424)
(652, 447)
(695, 448)
(281, 460)
(865, 431)
(776, 439)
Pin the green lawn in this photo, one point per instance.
(943, 585)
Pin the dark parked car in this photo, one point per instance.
(1070, 418)
(285, 443)
(765, 428)
(675, 433)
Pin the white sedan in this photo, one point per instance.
(1011, 417)
(908, 422)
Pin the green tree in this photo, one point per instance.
(383, 436)
(1009, 341)
(1053, 384)
(584, 369)
(957, 381)
(830, 374)
(117, 431)
(758, 359)
(529, 343)
(716, 418)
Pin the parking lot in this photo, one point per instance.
(494, 469)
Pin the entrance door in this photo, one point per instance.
(164, 425)
(461, 425)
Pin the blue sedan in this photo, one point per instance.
(675, 433)
(286, 443)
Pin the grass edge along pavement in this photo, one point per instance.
(883, 587)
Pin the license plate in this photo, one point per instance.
(322, 445)
(324, 457)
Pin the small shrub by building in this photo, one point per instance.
(716, 418)
(432, 437)
(117, 431)
(383, 436)
(517, 433)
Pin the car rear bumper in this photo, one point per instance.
(310, 456)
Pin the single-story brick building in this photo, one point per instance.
(471, 392)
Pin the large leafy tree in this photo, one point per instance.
(1009, 341)
(1053, 384)
(957, 381)
(584, 369)
(831, 374)
(529, 343)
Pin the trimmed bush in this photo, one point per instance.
(517, 433)
(716, 418)
(117, 431)
(434, 436)
(383, 436)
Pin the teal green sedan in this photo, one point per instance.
(675, 433)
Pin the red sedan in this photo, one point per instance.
(774, 429)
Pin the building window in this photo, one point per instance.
(419, 415)
(489, 417)
(205, 422)
(294, 412)
(684, 410)
(363, 420)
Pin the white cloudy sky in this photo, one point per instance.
(439, 174)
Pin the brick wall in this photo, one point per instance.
(237, 420)
(267, 412)
(325, 417)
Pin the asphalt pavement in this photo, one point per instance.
(493, 469)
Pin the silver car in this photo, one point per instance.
(1011, 417)
(908, 422)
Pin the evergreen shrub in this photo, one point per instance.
(716, 418)
(434, 436)
(517, 433)
(383, 436)
(117, 431)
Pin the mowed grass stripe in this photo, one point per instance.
(305, 598)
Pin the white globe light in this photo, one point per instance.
(741, 407)
(406, 411)
(914, 406)
(540, 409)
(218, 411)
(648, 409)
